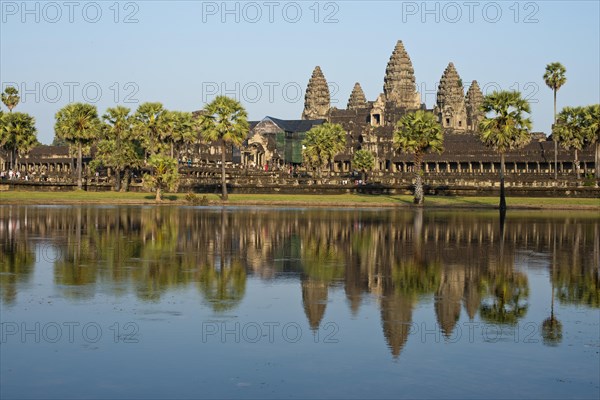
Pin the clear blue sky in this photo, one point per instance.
(183, 52)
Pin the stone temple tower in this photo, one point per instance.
(316, 100)
(450, 107)
(399, 83)
(473, 101)
(357, 98)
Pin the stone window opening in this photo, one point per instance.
(376, 119)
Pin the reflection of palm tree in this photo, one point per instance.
(224, 287)
(551, 327)
(323, 264)
(223, 284)
(16, 266)
(506, 303)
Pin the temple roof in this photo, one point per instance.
(295, 125)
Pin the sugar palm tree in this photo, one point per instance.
(19, 135)
(78, 124)
(225, 119)
(418, 133)
(180, 129)
(555, 78)
(10, 98)
(506, 128)
(164, 174)
(591, 117)
(322, 143)
(149, 125)
(570, 131)
(363, 161)
(118, 147)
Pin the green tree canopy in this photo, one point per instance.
(591, 117)
(363, 161)
(418, 133)
(322, 143)
(180, 130)
(10, 97)
(149, 125)
(17, 134)
(505, 127)
(79, 125)
(118, 147)
(164, 174)
(571, 131)
(225, 120)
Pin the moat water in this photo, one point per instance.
(189, 302)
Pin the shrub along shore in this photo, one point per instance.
(302, 200)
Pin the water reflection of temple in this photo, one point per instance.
(460, 261)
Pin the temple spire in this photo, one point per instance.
(316, 100)
(473, 102)
(357, 98)
(450, 106)
(399, 82)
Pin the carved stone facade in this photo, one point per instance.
(317, 99)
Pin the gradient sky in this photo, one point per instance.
(183, 53)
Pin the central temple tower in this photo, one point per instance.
(399, 83)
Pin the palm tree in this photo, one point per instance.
(19, 135)
(78, 124)
(363, 161)
(418, 133)
(322, 143)
(164, 174)
(570, 131)
(149, 125)
(555, 78)
(591, 117)
(506, 129)
(180, 129)
(118, 148)
(225, 120)
(10, 98)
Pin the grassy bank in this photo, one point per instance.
(342, 200)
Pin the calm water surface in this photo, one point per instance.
(160, 302)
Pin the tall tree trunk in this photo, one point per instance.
(555, 142)
(363, 176)
(157, 198)
(223, 178)
(576, 165)
(125, 187)
(117, 180)
(79, 167)
(172, 151)
(418, 236)
(597, 159)
(502, 194)
(419, 179)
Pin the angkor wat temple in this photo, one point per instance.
(273, 146)
(370, 125)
